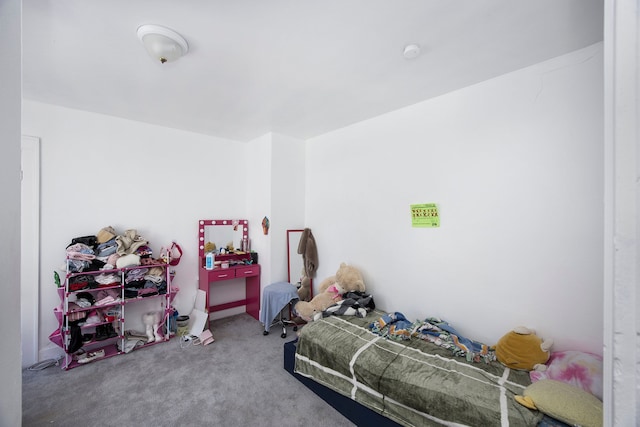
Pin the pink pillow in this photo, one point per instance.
(580, 369)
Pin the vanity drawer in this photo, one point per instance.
(222, 274)
(249, 270)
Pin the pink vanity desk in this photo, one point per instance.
(207, 279)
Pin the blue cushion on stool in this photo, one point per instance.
(275, 297)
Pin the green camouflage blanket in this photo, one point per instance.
(415, 383)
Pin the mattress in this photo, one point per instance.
(414, 382)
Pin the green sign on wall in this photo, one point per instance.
(425, 215)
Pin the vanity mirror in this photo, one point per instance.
(229, 266)
(221, 232)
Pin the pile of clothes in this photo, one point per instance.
(437, 331)
(103, 269)
(107, 252)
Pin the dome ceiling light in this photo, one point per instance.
(163, 44)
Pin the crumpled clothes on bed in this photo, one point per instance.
(441, 333)
(396, 326)
(352, 304)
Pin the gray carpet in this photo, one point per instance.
(238, 380)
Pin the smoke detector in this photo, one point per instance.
(411, 51)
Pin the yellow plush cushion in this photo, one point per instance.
(564, 402)
(520, 351)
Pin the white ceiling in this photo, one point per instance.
(296, 67)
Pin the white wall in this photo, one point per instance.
(275, 190)
(98, 170)
(515, 165)
(288, 183)
(11, 90)
(259, 194)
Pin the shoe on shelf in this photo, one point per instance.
(101, 333)
(111, 332)
(91, 356)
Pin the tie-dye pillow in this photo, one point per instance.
(580, 369)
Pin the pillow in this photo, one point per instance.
(580, 369)
(563, 402)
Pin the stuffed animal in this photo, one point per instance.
(313, 309)
(522, 349)
(346, 279)
(304, 290)
(151, 320)
(209, 247)
(347, 276)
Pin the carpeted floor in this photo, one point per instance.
(238, 380)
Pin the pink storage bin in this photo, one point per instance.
(57, 311)
(56, 338)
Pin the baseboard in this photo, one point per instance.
(50, 352)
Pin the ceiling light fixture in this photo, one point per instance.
(163, 44)
(411, 51)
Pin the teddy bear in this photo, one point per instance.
(346, 279)
(522, 349)
(304, 288)
(209, 247)
(348, 276)
(151, 320)
(313, 309)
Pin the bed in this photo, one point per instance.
(410, 383)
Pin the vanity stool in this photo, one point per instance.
(275, 299)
